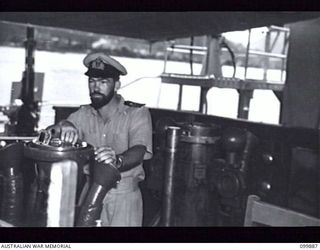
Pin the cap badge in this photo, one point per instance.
(98, 64)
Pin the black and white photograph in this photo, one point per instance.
(160, 120)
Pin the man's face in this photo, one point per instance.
(101, 91)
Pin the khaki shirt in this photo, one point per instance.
(127, 126)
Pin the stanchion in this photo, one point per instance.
(172, 139)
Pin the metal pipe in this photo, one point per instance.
(203, 105)
(191, 56)
(244, 103)
(180, 96)
(251, 141)
(165, 59)
(267, 54)
(266, 58)
(247, 55)
(186, 47)
(186, 51)
(172, 140)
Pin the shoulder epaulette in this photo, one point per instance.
(133, 104)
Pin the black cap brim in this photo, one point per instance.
(108, 72)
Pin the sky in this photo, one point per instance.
(242, 36)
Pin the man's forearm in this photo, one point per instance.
(132, 157)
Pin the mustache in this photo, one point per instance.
(96, 93)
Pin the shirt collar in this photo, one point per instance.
(121, 107)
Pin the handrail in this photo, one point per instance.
(185, 51)
(261, 53)
(17, 138)
(222, 82)
(188, 47)
(273, 27)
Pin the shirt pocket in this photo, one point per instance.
(120, 142)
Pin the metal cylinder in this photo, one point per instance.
(172, 137)
(172, 140)
(11, 208)
(12, 183)
(197, 150)
(66, 161)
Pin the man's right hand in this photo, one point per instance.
(68, 132)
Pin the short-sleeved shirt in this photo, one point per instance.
(126, 127)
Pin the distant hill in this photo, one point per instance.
(54, 39)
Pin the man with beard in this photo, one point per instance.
(121, 133)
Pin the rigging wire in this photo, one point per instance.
(138, 79)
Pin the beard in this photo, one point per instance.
(98, 100)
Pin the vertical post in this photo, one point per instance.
(28, 95)
(180, 97)
(247, 55)
(210, 66)
(244, 103)
(165, 57)
(167, 213)
(203, 105)
(284, 50)
(191, 55)
(266, 58)
(28, 113)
